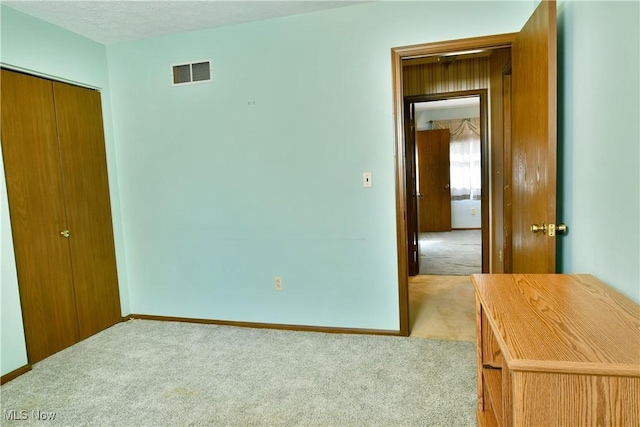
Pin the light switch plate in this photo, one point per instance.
(366, 180)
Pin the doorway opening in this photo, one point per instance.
(469, 59)
(448, 138)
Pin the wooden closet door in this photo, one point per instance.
(36, 206)
(83, 159)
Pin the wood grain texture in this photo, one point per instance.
(570, 346)
(400, 190)
(491, 353)
(493, 386)
(36, 205)
(462, 75)
(84, 166)
(507, 396)
(575, 321)
(576, 400)
(433, 176)
(497, 62)
(483, 401)
(507, 262)
(486, 419)
(534, 141)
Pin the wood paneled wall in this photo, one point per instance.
(467, 74)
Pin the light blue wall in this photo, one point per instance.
(461, 215)
(13, 352)
(38, 47)
(599, 140)
(219, 195)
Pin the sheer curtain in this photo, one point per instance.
(464, 152)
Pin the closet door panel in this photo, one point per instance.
(83, 159)
(36, 205)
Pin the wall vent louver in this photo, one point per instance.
(195, 72)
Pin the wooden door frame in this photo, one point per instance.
(413, 215)
(506, 167)
(483, 95)
(397, 55)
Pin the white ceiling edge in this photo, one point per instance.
(471, 101)
(109, 22)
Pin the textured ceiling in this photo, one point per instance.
(116, 21)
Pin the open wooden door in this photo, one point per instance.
(434, 194)
(534, 146)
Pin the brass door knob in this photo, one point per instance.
(535, 228)
(65, 233)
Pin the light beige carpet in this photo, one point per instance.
(451, 253)
(442, 307)
(144, 373)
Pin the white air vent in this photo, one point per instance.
(196, 72)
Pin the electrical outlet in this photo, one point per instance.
(473, 211)
(277, 283)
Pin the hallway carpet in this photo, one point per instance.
(442, 307)
(451, 253)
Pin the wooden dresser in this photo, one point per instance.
(556, 349)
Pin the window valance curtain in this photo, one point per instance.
(464, 153)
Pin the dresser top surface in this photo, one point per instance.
(563, 323)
